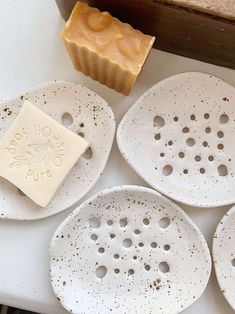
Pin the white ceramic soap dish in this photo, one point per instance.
(82, 111)
(224, 255)
(179, 137)
(130, 250)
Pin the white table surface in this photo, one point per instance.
(32, 53)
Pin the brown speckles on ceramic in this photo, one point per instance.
(128, 249)
(224, 255)
(179, 137)
(85, 113)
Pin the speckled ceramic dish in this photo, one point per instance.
(85, 113)
(179, 137)
(128, 249)
(224, 256)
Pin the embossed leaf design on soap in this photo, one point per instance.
(36, 153)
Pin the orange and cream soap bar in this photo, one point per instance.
(104, 48)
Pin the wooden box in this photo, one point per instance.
(199, 29)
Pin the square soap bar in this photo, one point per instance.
(37, 153)
(104, 48)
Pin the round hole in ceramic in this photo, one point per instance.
(123, 222)
(162, 155)
(164, 267)
(153, 245)
(101, 250)
(170, 143)
(101, 271)
(116, 256)
(233, 262)
(167, 170)
(81, 134)
(192, 117)
(147, 267)
(176, 119)
(94, 222)
(137, 231)
(109, 222)
(88, 154)
(134, 257)
(112, 235)
(202, 170)
(208, 130)
(224, 118)
(141, 244)
(222, 170)
(127, 243)
(197, 158)
(131, 272)
(210, 158)
(181, 154)
(157, 136)
(220, 134)
(117, 271)
(164, 222)
(206, 116)
(158, 121)
(190, 141)
(166, 247)
(146, 221)
(220, 146)
(185, 171)
(67, 119)
(205, 144)
(94, 237)
(185, 129)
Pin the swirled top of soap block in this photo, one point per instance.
(97, 42)
(37, 153)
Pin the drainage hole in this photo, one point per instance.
(67, 119)
(158, 121)
(145, 221)
(170, 143)
(162, 154)
(147, 267)
(220, 146)
(166, 247)
(130, 271)
(185, 130)
(137, 231)
(164, 267)
(181, 155)
(117, 271)
(190, 141)
(101, 250)
(135, 257)
(167, 170)
(185, 171)
(101, 271)
(205, 144)
(157, 136)
(176, 119)
(233, 262)
(141, 244)
(208, 130)
(81, 134)
(153, 245)
(123, 222)
(164, 222)
(109, 222)
(192, 117)
(94, 222)
(88, 154)
(222, 170)
(220, 134)
(94, 237)
(197, 158)
(112, 236)
(202, 170)
(116, 256)
(21, 193)
(127, 242)
(211, 158)
(223, 118)
(206, 116)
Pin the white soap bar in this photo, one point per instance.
(37, 153)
